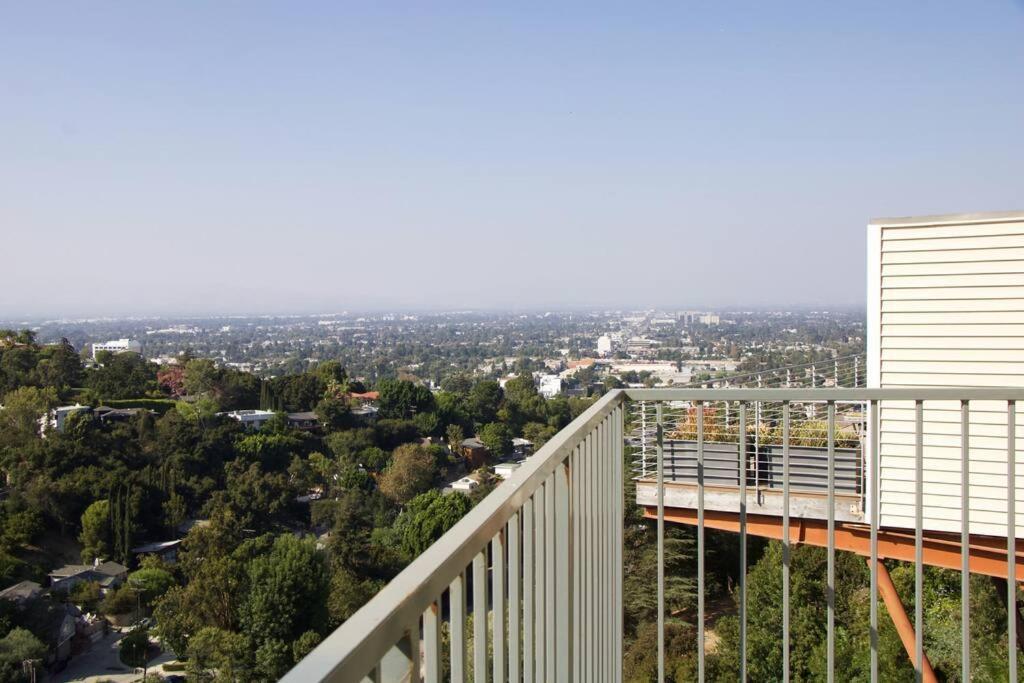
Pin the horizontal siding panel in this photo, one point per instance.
(932, 438)
(953, 243)
(951, 305)
(965, 355)
(948, 427)
(907, 379)
(937, 231)
(973, 367)
(954, 256)
(962, 280)
(954, 318)
(950, 343)
(965, 293)
(965, 330)
(950, 269)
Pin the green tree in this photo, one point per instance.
(288, 589)
(401, 399)
(484, 401)
(425, 518)
(121, 376)
(151, 583)
(215, 651)
(133, 649)
(497, 437)
(19, 420)
(17, 647)
(411, 472)
(95, 536)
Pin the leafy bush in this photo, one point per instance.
(121, 601)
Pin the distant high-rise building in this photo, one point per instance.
(604, 345)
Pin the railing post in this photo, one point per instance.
(965, 542)
(785, 541)
(743, 540)
(564, 570)
(700, 541)
(1011, 537)
(919, 540)
(661, 541)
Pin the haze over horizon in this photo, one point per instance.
(264, 157)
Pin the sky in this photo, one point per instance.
(161, 158)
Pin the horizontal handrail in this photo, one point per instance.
(358, 645)
(830, 394)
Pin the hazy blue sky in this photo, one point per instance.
(300, 156)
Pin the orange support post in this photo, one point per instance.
(901, 621)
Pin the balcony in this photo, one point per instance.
(529, 585)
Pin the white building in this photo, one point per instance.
(504, 470)
(465, 484)
(549, 386)
(117, 346)
(56, 419)
(252, 419)
(604, 345)
(710, 319)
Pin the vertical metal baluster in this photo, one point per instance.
(550, 594)
(1011, 536)
(619, 536)
(605, 557)
(577, 548)
(432, 642)
(602, 544)
(876, 508)
(415, 665)
(480, 617)
(660, 452)
(831, 590)
(374, 674)
(700, 541)
(743, 539)
(539, 582)
(919, 540)
(514, 597)
(498, 605)
(602, 563)
(529, 590)
(965, 542)
(457, 618)
(785, 541)
(563, 571)
(587, 568)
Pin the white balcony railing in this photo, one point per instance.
(528, 585)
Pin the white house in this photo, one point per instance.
(117, 346)
(465, 484)
(251, 419)
(549, 386)
(504, 470)
(57, 418)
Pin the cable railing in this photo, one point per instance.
(528, 586)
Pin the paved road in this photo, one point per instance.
(101, 663)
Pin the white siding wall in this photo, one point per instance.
(946, 308)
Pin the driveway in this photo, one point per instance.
(102, 663)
